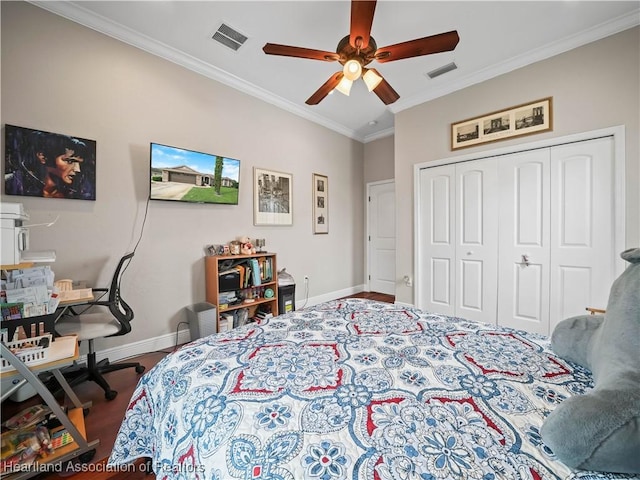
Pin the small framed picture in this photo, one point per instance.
(320, 204)
(272, 197)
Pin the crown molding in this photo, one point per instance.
(599, 32)
(378, 135)
(131, 37)
(103, 25)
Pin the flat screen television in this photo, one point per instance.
(182, 175)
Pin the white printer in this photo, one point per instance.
(15, 237)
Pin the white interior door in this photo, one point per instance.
(583, 256)
(523, 287)
(458, 263)
(476, 250)
(436, 282)
(382, 238)
(556, 233)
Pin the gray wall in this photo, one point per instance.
(378, 160)
(61, 77)
(593, 87)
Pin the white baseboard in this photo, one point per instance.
(163, 342)
(168, 341)
(300, 303)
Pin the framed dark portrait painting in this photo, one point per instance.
(49, 165)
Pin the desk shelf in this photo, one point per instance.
(256, 300)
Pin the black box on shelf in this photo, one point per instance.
(228, 281)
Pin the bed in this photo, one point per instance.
(353, 389)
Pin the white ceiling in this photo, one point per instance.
(495, 38)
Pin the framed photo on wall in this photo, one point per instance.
(320, 204)
(515, 121)
(272, 197)
(49, 165)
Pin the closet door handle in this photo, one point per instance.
(525, 260)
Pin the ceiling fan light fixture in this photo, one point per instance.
(344, 86)
(352, 69)
(357, 49)
(371, 79)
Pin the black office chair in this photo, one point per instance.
(108, 323)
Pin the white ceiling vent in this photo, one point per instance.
(444, 69)
(229, 37)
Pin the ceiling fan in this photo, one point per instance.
(358, 49)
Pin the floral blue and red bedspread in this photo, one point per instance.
(353, 389)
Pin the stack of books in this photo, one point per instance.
(262, 314)
(226, 322)
(227, 298)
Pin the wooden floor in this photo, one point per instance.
(105, 416)
(379, 297)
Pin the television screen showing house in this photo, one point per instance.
(188, 176)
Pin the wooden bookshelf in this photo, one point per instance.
(250, 294)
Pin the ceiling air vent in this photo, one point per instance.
(229, 37)
(444, 69)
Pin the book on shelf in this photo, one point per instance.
(223, 326)
(240, 317)
(11, 311)
(263, 312)
(265, 266)
(263, 315)
(247, 277)
(255, 272)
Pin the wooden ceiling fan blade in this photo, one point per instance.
(443, 42)
(299, 52)
(325, 89)
(361, 20)
(384, 91)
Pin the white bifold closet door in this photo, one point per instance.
(522, 240)
(556, 239)
(460, 230)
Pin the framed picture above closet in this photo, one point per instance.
(525, 119)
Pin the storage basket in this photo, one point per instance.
(35, 351)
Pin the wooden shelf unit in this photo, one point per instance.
(72, 420)
(215, 264)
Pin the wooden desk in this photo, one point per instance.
(61, 353)
(73, 301)
(75, 297)
(17, 266)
